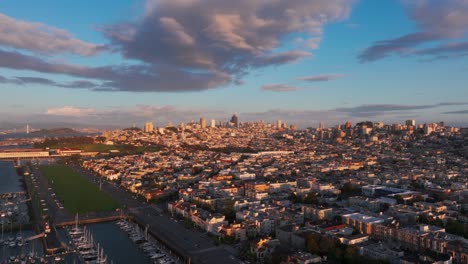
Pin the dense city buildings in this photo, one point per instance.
(390, 192)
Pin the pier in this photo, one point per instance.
(93, 220)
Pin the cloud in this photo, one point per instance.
(280, 58)
(321, 77)
(163, 114)
(180, 45)
(25, 80)
(369, 110)
(301, 118)
(279, 88)
(160, 115)
(38, 37)
(457, 112)
(71, 111)
(134, 78)
(218, 40)
(438, 22)
(34, 80)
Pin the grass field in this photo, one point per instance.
(106, 148)
(77, 193)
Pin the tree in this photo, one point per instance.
(294, 199)
(349, 189)
(229, 211)
(327, 246)
(311, 198)
(350, 253)
(312, 245)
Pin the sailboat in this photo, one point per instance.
(102, 259)
(19, 237)
(11, 239)
(76, 231)
(2, 241)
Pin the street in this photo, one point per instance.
(197, 246)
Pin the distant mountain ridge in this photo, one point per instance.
(57, 131)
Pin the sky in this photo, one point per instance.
(115, 63)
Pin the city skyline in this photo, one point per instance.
(319, 61)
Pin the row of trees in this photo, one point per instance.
(57, 142)
(335, 251)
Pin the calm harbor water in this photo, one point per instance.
(9, 179)
(117, 246)
(34, 246)
(33, 135)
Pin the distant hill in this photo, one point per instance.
(56, 131)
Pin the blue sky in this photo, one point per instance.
(119, 62)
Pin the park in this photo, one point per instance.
(77, 194)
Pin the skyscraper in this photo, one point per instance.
(235, 120)
(203, 122)
(278, 124)
(410, 122)
(213, 123)
(148, 127)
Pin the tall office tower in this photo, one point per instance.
(148, 127)
(203, 122)
(213, 123)
(235, 120)
(278, 124)
(410, 122)
(322, 126)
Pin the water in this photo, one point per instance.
(68, 258)
(117, 246)
(34, 246)
(9, 179)
(33, 135)
(15, 147)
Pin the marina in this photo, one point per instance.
(13, 209)
(151, 248)
(90, 243)
(16, 247)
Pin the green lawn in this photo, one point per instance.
(92, 147)
(106, 148)
(77, 193)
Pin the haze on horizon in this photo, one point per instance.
(303, 61)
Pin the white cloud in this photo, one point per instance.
(38, 37)
(71, 111)
(279, 88)
(321, 77)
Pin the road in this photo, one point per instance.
(48, 201)
(198, 247)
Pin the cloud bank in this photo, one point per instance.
(321, 77)
(178, 45)
(442, 24)
(38, 37)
